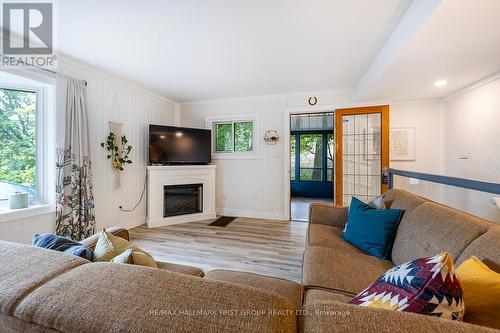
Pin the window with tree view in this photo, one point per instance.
(18, 142)
(234, 136)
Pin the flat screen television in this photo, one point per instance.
(179, 145)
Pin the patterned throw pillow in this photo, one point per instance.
(427, 286)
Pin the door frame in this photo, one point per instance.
(289, 111)
(384, 158)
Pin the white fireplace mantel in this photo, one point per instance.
(160, 176)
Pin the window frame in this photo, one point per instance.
(211, 122)
(42, 148)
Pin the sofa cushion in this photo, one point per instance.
(24, 268)
(327, 214)
(132, 257)
(341, 317)
(9, 324)
(400, 199)
(427, 286)
(317, 295)
(481, 289)
(326, 236)
(289, 290)
(329, 268)
(371, 230)
(109, 246)
(150, 300)
(486, 248)
(178, 268)
(432, 228)
(62, 244)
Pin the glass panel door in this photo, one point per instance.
(311, 157)
(362, 153)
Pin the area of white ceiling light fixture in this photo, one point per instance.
(440, 83)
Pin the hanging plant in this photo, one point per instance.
(119, 156)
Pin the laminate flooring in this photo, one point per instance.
(267, 247)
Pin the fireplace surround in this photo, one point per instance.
(180, 193)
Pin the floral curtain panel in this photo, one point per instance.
(75, 202)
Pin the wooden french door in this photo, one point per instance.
(362, 152)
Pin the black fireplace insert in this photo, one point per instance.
(182, 199)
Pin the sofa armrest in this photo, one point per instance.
(331, 316)
(117, 231)
(321, 213)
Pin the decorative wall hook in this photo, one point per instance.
(312, 100)
(271, 137)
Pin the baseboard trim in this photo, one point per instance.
(251, 214)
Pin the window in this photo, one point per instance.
(234, 136)
(18, 135)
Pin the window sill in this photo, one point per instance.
(7, 214)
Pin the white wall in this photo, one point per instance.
(246, 187)
(255, 188)
(427, 119)
(472, 124)
(136, 108)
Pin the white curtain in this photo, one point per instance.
(75, 202)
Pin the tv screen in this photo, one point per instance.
(179, 145)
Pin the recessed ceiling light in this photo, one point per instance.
(440, 83)
(178, 134)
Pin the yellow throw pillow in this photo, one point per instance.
(143, 259)
(135, 258)
(109, 246)
(481, 293)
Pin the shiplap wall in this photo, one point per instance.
(136, 108)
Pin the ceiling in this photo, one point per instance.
(459, 43)
(189, 50)
(193, 50)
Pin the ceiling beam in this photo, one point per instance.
(412, 20)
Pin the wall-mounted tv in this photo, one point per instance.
(179, 145)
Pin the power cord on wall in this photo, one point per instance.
(140, 199)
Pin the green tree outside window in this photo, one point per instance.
(234, 136)
(18, 137)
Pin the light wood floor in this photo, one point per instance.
(300, 207)
(268, 247)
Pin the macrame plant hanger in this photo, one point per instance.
(115, 127)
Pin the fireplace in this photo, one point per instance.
(182, 199)
(171, 200)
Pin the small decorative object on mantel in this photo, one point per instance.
(312, 100)
(118, 152)
(271, 137)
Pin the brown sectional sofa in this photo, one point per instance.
(334, 271)
(48, 291)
